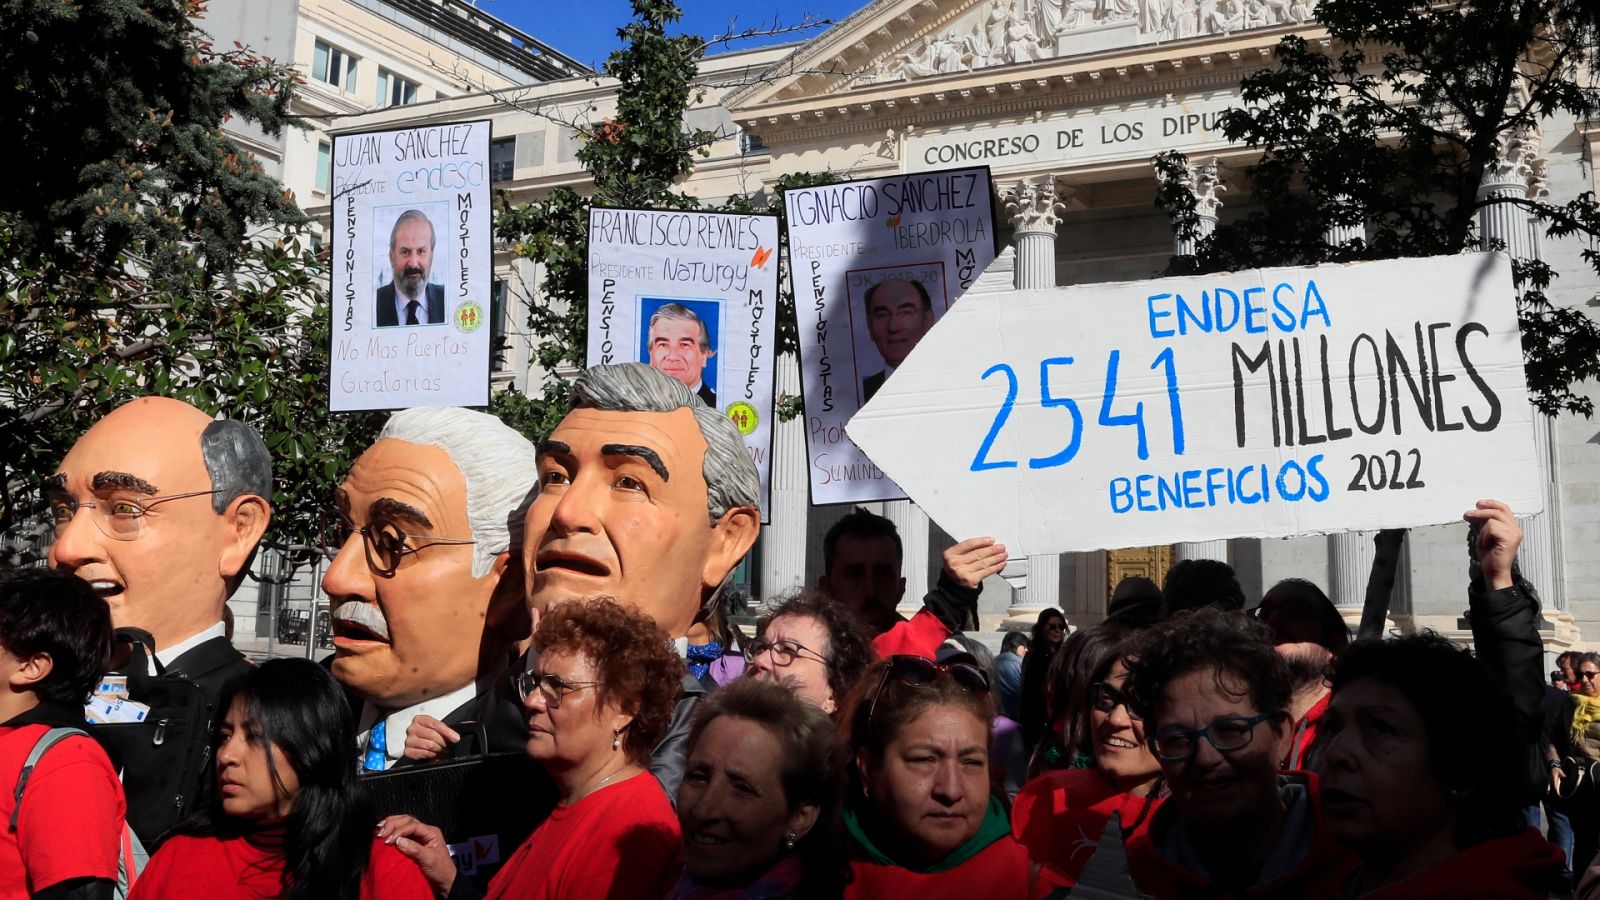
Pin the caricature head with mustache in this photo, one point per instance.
(442, 605)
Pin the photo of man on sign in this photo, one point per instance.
(410, 296)
(898, 308)
(679, 343)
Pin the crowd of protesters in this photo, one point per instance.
(1193, 744)
(1206, 752)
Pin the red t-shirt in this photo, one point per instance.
(997, 872)
(72, 813)
(1521, 866)
(615, 844)
(920, 635)
(209, 868)
(1059, 816)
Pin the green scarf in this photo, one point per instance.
(1586, 710)
(995, 826)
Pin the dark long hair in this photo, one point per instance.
(301, 711)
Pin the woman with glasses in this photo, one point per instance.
(758, 803)
(287, 819)
(1057, 812)
(1213, 695)
(919, 815)
(813, 644)
(1048, 633)
(1083, 659)
(599, 697)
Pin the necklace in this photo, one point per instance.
(602, 783)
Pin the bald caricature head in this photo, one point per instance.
(159, 507)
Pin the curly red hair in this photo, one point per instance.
(634, 659)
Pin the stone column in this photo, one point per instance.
(1349, 554)
(783, 539)
(1205, 182)
(1515, 173)
(1349, 563)
(1035, 208)
(912, 523)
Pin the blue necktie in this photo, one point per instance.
(377, 758)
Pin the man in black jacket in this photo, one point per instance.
(159, 507)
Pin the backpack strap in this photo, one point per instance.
(44, 743)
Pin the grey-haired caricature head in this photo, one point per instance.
(645, 494)
(446, 484)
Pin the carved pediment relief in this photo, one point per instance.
(1007, 32)
(891, 41)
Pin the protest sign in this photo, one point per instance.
(1266, 403)
(412, 261)
(872, 265)
(694, 295)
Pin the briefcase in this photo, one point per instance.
(486, 805)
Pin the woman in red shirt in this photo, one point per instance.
(599, 697)
(919, 815)
(1060, 816)
(287, 820)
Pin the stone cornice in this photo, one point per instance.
(1210, 64)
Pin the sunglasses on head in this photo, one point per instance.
(920, 671)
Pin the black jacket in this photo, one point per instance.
(386, 312)
(1505, 636)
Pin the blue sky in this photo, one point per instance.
(587, 29)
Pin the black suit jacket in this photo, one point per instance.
(708, 395)
(870, 385)
(211, 664)
(498, 711)
(385, 308)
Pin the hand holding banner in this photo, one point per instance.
(1267, 403)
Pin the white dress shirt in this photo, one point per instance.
(395, 725)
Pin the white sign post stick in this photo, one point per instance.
(412, 266)
(1267, 403)
(695, 295)
(873, 264)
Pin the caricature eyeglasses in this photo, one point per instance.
(386, 545)
(118, 519)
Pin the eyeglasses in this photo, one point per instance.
(385, 543)
(1225, 735)
(1587, 676)
(1055, 626)
(920, 671)
(1107, 698)
(120, 520)
(552, 687)
(784, 652)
